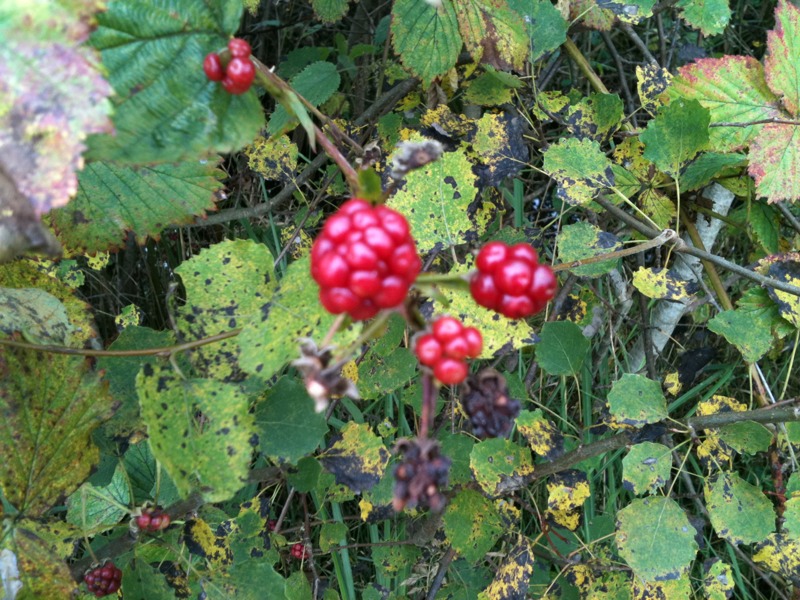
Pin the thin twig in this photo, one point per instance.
(444, 564)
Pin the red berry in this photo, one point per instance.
(299, 551)
(450, 371)
(153, 518)
(364, 260)
(213, 67)
(510, 280)
(446, 347)
(239, 75)
(239, 48)
(104, 580)
(428, 349)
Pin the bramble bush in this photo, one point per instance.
(419, 299)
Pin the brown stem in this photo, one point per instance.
(428, 405)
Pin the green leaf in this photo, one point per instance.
(330, 11)
(113, 200)
(53, 96)
(357, 457)
(764, 222)
(392, 560)
(459, 449)
(791, 518)
(472, 525)
(330, 535)
(120, 372)
(543, 436)
(782, 62)
(739, 511)
(636, 400)
(491, 88)
(709, 166)
(546, 28)
(562, 348)
(578, 241)
(775, 162)
(425, 37)
(596, 117)
(270, 339)
(297, 587)
(201, 430)
(141, 580)
(655, 538)
(500, 465)
(493, 33)
(664, 285)
(166, 110)
(316, 83)
(226, 286)
(289, 428)
(746, 437)
(709, 16)
(676, 135)
(305, 476)
(142, 472)
(646, 468)
(50, 408)
(734, 90)
(435, 199)
(748, 330)
(95, 509)
(379, 375)
(580, 168)
(38, 315)
(513, 575)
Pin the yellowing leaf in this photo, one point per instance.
(567, 491)
(739, 511)
(542, 434)
(513, 576)
(780, 554)
(580, 168)
(472, 524)
(646, 468)
(663, 284)
(578, 241)
(719, 581)
(493, 34)
(274, 158)
(733, 89)
(775, 162)
(201, 541)
(357, 457)
(636, 400)
(782, 61)
(499, 465)
(651, 82)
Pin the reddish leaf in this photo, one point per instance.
(775, 162)
(733, 89)
(782, 62)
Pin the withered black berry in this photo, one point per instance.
(420, 477)
(486, 402)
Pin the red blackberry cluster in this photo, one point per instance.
(445, 348)
(511, 281)
(153, 518)
(238, 75)
(486, 402)
(364, 260)
(103, 580)
(421, 475)
(299, 551)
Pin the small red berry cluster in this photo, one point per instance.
(364, 260)
(299, 551)
(446, 346)
(153, 518)
(511, 281)
(103, 580)
(238, 75)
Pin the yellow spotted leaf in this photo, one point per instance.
(499, 465)
(780, 554)
(544, 437)
(201, 541)
(273, 158)
(662, 284)
(513, 576)
(357, 457)
(567, 492)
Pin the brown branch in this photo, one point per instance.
(772, 120)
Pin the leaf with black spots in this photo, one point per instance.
(356, 457)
